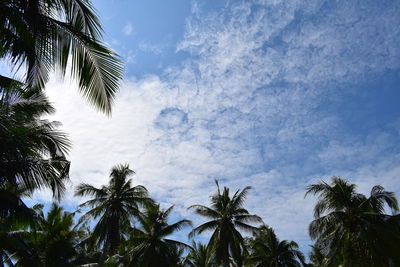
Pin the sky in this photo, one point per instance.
(275, 95)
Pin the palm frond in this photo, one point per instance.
(205, 211)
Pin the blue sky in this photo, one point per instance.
(273, 94)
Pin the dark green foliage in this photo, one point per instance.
(266, 250)
(44, 35)
(32, 151)
(199, 256)
(351, 229)
(149, 244)
(49, 241)
(133, 231)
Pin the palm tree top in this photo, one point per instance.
(341, 195)
(154, 220)
(226, 208)
(267, 250)
(33, 151)
(115, 204)
(352, 229)
(227, 215)
(150, 243)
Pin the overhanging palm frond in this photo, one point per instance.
(44, 35)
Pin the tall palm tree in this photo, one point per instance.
(227, 217)
(44, 35)
(115, 205)
(268, 251)
(32, 151)
(352, 229)
(150, 245)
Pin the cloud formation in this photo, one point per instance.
(248, 109)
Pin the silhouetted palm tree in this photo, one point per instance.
(227, 217)
(317, 259)
(199, 256)
(268, 251)
(115, 205)
(351, 229)
(50, 241)
(44, 35)
(149, 245)
(32, 151)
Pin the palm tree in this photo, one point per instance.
(351, 229)
(149, 244)
(50, 241)
(239, 256)
(199, 256)
(227, 217)
(86, 254)
(33, 151)
(268, 251)
(317, 259)
(44, 35)
(115, 205)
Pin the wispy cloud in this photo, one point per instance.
(128, 29)
(151, 48)
(248, 109)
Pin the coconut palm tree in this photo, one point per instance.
(268, 251)
(32, 151)
(239, 256)
(199, 256)
(44, 35)
(149, 243)
(227, 216)
(49, 241)
(351, 229)
(317, 259)
(115, 205)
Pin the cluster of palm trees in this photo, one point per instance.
(130, 229)
(120, 224)
(38, 37)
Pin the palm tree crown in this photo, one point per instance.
(150, 245)
(268, 251)
(32, 151)
(199, 256)
(350, 228)
(115, 205)
(227, 217)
